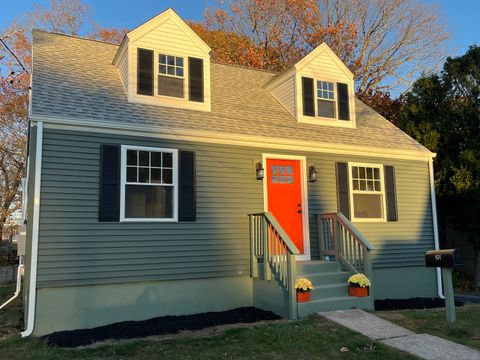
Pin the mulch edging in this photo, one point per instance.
(413, 303)
(157, 326)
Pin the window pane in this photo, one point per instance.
(170, 70)
(326, 108)
(131, 157)
(170, 86)
(131, 174)
(162, 59)
(180, 61)
(282, 169)
(167, 176)
(376, 172)
(355, 185)
(377, 186)
(148, 201)
(156, 176)
(156, 159)
(274, 179)
(363, 173)
(163, 69)
(143, 175)
(171, 60)
(167, 160)
(355, 172)
(274, 169)
(289, 179)
(179, 72)
(144, 158)
(282, 179)
(368, 206)
(289, 169)
(370, 186)
(363, 185)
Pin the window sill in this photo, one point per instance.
(149, 220)
(172, 102)
(325, 121)
(369, 220)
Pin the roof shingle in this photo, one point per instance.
(73, 78)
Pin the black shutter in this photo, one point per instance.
(195, 79)
(343, 196)
(308, 98)
(390, 193)
(109, 204)
(145, 72)
(187, 207)
(343, 104)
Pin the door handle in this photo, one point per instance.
(299, 211)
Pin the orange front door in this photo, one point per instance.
(284, 193)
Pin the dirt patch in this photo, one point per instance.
(413, 303)
(209, 323)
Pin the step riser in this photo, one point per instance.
(311, 267)
(313, 307)
(320, 292)
(328, 278)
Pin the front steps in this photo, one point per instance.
(330, 288)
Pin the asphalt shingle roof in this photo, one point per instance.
(73, 78)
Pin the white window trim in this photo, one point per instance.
(382, 192)
(123, 183)
(334, 100)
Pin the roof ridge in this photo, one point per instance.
(75, 37)
(246, 67)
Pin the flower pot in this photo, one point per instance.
(355, 290)
(303, 296)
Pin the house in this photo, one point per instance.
(161, 183)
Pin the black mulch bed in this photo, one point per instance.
(413, 303)
(158, 326)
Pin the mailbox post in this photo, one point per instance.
(446, 260)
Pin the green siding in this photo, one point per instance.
(83, 307)
(75, 249)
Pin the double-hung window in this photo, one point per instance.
(170, 75)
(148, 184)
(367, 191)
(326, 99)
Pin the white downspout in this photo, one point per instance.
(435, 225)
(32, 292)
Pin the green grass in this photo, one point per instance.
(466, 330)
(311, 338)
(10, 322)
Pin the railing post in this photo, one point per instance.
(369, 273)
(253, 240)
(336, 237)
(292, 294)
(321, 235)
(267, 272)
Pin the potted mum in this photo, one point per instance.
(303, 287)
(358, 285)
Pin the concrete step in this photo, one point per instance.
(329, 291)
(317, 266)
(333, 303)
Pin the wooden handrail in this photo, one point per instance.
(340, 238)
(271, 244)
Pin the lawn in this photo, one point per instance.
(466, 329)
(311, 338)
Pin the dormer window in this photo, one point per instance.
(325, 99)
(171, 75)
(331, 102)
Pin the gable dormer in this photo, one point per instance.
(319, 89)
(163, 62)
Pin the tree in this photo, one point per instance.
(442, 111)
(384, 42)
(382, 102)
(110, 35)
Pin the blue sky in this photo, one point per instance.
(461, 16)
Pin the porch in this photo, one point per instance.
(274, 266)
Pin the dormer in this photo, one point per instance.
(319, 89)
(163, 62)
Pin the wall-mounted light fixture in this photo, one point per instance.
(312, 174)
(260, 172)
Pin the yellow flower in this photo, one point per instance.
(359, 279)
(303, 285)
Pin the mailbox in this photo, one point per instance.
(448, 258)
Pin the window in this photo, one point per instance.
(149, 184)
(367, 192)
(282, 174)
(170, 75)
(325, 99)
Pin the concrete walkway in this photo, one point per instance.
(422, 345)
